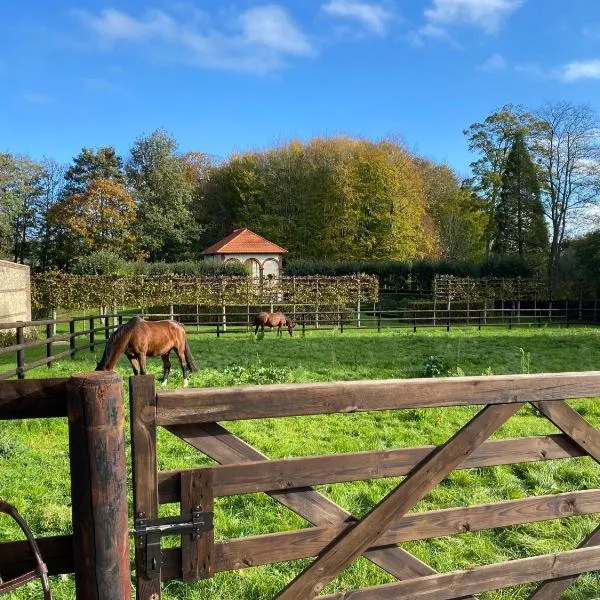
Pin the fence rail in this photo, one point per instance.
(306, 317)
(336, 537)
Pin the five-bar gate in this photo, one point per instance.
(337, 538)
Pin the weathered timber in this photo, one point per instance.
(574, 425)
(197, 555)
(284, 400)
(57, 552)
(142, 398)
(33, 399)
(447, 586)
(350, 544)
(303, 543)
(264, 476)
(99, 486)
(224, 447)
(550, 590)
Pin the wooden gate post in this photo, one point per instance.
(99, 486)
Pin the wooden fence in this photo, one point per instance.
(94, 330)
(337, 538)
(98, 550)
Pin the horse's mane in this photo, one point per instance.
(113, 341)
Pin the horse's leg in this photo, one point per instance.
(142, 359)
(166, 368)
(279, 330)
(135, 365)
(256, 329)
(184, 365)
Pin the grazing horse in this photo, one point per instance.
(277, 319)
(138, 339)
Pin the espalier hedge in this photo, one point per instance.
(76, 292)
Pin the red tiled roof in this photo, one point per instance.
(244, 241)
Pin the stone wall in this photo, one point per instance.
(15, 292)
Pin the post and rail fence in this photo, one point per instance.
(96, 329)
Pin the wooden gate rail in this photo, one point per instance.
(336, 537)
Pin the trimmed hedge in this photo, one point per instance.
(414, 276)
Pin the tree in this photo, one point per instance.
(492, 140)
(88, 165)
(100, 218)
(19, 178)
(51, 184)
(568, 153)
(520, 225)
(458, 214)
(331, 198)
(163, 187)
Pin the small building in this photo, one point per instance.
(247, 247)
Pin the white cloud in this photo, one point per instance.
(495, 62)
(578, 70)
(484, 14)
(372, 16)
(256, 40)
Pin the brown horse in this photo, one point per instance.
(138, 339)
(277, 319)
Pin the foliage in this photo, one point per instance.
(435, 366)
(100, 217)
(520, 225)
(492, 140)
(54, 290)
(419, 275)
(459, 289)
(101, 262)
(255, 373)
(163, 187)
(88, 165)
(333, 198)
(458, 214)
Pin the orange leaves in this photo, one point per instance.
(101, 216)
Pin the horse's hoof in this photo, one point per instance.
(186, 382)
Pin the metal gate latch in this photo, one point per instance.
(148, 532)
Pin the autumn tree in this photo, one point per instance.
(332, 198)
(457, 213)
(99, 218)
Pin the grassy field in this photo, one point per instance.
(34, 456)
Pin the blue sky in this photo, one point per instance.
(223, 76)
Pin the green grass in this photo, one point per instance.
(34, 458)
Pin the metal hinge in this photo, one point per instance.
(148, 532)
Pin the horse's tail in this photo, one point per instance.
(115, 345)
(189, 359)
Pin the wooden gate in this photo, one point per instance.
(337, 537)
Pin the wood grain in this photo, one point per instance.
(284, 400)
(346, 547)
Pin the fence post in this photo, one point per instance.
(92, 334)
(479, 325)
(106, 326)
(218, 329)
(20, 336)
(448, 321)
(120, 320)
(72, 337)
(510, 320)
(48, 344)
(99, 486)
(303, 325)
(378, 321)
(414, 321)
